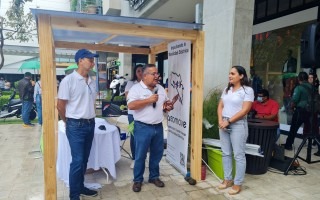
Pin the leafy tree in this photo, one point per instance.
(18, 25)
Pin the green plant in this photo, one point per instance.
(116, 98)
(4, 99)
(210, 106)
(73, 5)
(91, 2)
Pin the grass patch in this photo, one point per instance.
(14, 120)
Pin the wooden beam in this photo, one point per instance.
(93, 26)
(49, 114)
(159, 48)
(107, 39)
(197, 105)
(102, 47)
(152, 59)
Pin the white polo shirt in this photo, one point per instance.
(148, 114)
(81, 96)
(233, 101)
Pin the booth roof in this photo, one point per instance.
(94, 38)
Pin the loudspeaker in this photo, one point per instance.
(310, 46)
(281, 165)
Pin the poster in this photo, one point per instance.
(179, 62)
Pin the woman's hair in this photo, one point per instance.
(302, 76)
(242, 71)
(135, 72)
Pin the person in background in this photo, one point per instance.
(76, 107)
(265, 107)
(38, 100)
(300, 116)
(26, 88)
(236, 101)
(255, 81)
(313, 80)
(137, 76)
(1, 83)
(7, 85)
(149, 100)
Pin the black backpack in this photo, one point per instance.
(315, 101)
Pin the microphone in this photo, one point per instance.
(155, 91)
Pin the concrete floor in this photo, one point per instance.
(21, 172)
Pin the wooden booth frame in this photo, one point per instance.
(48, 21)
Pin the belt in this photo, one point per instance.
(81, 120)
(244, 118)
(148, 124)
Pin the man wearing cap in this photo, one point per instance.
(25, 88)
(76, 107)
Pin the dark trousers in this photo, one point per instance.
(299, 117)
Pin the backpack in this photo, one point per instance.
(315, 101)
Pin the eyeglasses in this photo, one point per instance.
(154, 74)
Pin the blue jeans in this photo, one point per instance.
(39, 108)
(80, 134)
(235, 140)
(26, 108)
(147, 136)
(132, 147)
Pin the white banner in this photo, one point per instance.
(179, 62)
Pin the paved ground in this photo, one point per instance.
(21, 173)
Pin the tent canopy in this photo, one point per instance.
(69, 30)
(71, 27)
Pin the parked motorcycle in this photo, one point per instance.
(14, 107)
(118, 86)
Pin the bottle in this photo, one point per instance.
(203, 172)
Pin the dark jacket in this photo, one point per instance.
(301, 95)
(25, 89)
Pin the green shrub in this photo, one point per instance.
(8, 93)
(4, 99)
(116, 98)
(210, 106)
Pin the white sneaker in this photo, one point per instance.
(132, 165)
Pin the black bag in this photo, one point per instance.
(315, 101)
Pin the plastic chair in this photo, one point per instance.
(112, 110)
(124, 135)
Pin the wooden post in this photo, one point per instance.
(152, 59)
(49, 113)
(197, 106)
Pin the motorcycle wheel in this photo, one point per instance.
(33, 115)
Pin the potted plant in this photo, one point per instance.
(210, 106)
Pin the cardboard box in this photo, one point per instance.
(215, 162)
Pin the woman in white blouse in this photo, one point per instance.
(235, 103)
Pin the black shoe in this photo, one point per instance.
(88, 193)
(157, 182)
(136, 186)
(317, 153)
(286, 147)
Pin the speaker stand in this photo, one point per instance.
(308, 159)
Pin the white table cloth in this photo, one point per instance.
(105, 150)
